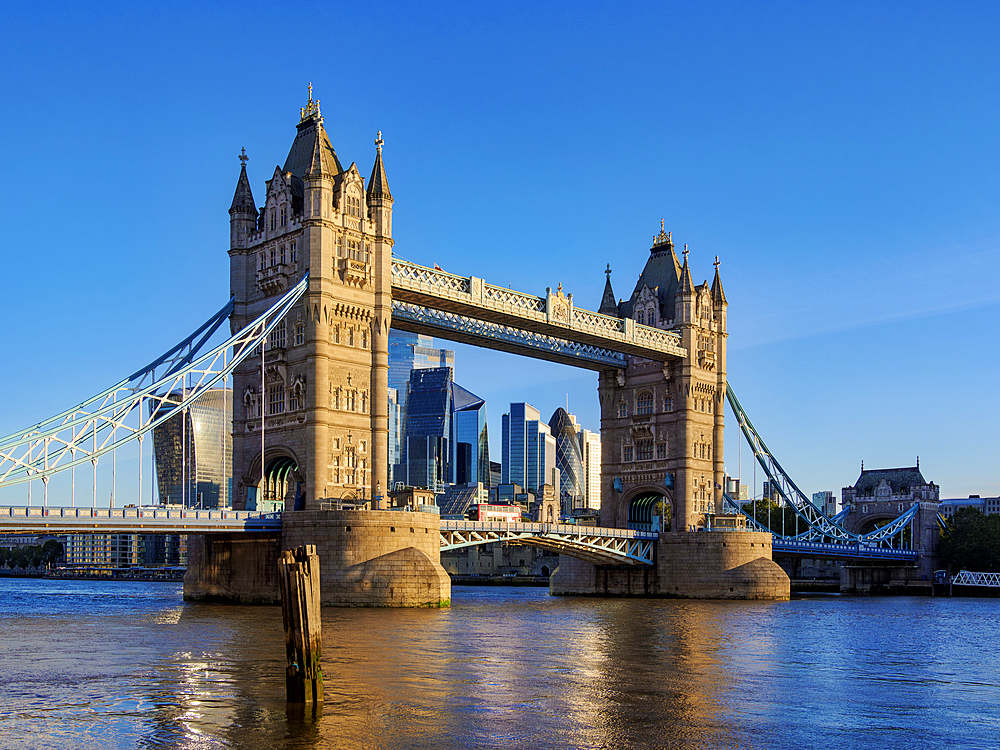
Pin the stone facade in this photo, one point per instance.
(662, 423)
(662, 447)
(316, 398)
(879, 496)
(689, 565)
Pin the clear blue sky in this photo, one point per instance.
(842, 159)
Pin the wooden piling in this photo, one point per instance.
(298, 572)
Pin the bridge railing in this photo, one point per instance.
(33, 512)
(554, 311)
(551, 528)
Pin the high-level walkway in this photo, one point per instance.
(469, 310)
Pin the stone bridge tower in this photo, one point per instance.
(661, 446)
(662, 424)
(311, 414)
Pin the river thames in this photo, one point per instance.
(87, 664)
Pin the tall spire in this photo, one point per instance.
(718, 296)
(608, 304)
(243, 202)
(687, 286)
(378, 185)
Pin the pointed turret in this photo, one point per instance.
(378, 185)
(243, 211)
(687, 286)
(379, 199)
(243, 202)
(718, 296)
(608, 304)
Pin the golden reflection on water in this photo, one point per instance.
(500, 669)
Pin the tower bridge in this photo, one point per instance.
(315, 289)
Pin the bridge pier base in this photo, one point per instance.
(884, 579)
(367, 559)
(689, 565)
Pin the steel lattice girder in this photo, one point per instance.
(90, 430)
(598, 546)
(468, 330)
(969, 578)
(553, 316)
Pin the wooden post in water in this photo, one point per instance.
(298, 571)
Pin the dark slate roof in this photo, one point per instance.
(897, 478)
(456, 500)
(662, 270)
(311, 150)
(718, 296)
(608, 304)
(687, 285)
(243, 199)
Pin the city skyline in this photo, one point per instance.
(840, 161)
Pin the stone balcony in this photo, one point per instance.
(276, 278)
(355, 271)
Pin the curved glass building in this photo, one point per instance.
(569, 461)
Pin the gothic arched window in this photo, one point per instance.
(640, 317)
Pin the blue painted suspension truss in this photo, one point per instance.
(126, 411)
(822, 529)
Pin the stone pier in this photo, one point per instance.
(689, 565)
(367, 559)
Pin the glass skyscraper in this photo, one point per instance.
(529, 450)
(445, 436)
(427, 432)
(194, 451)
(470, 456)
(569, 461)
(408, 352)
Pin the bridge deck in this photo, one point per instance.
(594, 544)
(837, 551)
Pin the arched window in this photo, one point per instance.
(640, 317)
(644, 403)
(284, 214)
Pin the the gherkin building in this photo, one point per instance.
(569, 461)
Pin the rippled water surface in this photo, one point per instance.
(87, 664)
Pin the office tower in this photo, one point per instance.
(408, 352)
(193, 451)
(427, 430)
(569, 461)
(470, 458)
(529, 450)
(590, 448)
